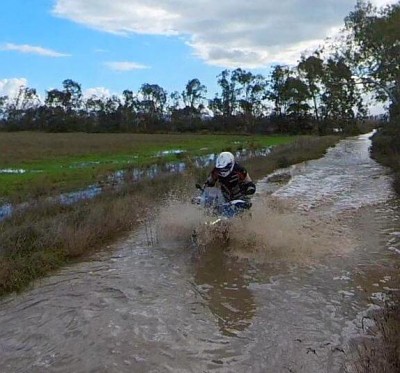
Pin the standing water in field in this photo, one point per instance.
(119, 178)
(287, 293)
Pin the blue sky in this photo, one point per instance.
(167, 60)
(109, 46)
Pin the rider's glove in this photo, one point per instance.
(250, 189)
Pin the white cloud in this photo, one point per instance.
(10, 87)
(100, 92)
(30, 49)
(224, 33)
(124, 66)
(380, 3)
(121, 16)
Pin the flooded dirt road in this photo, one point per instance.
(287, 294)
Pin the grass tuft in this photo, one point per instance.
(380, 350)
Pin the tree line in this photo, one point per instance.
(322, 93)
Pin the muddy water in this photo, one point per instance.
(287, 294)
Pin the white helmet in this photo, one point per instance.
(225, 163)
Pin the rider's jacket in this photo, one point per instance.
(236, 185)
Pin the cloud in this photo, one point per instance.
(381, 3)
(10, 87)
(124, 66)
(30, 49)
(120, 17)
(100, 92)
(223, 33)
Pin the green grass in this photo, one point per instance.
(55, 163)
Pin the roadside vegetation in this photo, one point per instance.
(386, 149)
(381, 351)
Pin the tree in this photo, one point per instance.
(3, 106)
(175, 99)
(250, 92)
(72, 95)
(227, 101)
(216, 106)
(311, 69)
(128, 109)
(22, 107)
(276, 92)
(27, 99)
(55, 99)
(341, 96)
(373, 48)
(154, 99)
(69, 99)
(194, 93)
(129, 99)
(94, 105)
(295, 94)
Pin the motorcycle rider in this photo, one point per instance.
(234, 180)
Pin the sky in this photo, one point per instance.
(108, 46)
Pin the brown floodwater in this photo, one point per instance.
(289, 292)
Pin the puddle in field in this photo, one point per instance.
(117, 179)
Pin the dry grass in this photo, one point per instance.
(379, 352)
(21, 146)
(45, 237)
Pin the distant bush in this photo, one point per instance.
(386, 149)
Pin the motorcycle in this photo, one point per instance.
(220, 211)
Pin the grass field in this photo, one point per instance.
(34, 163)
